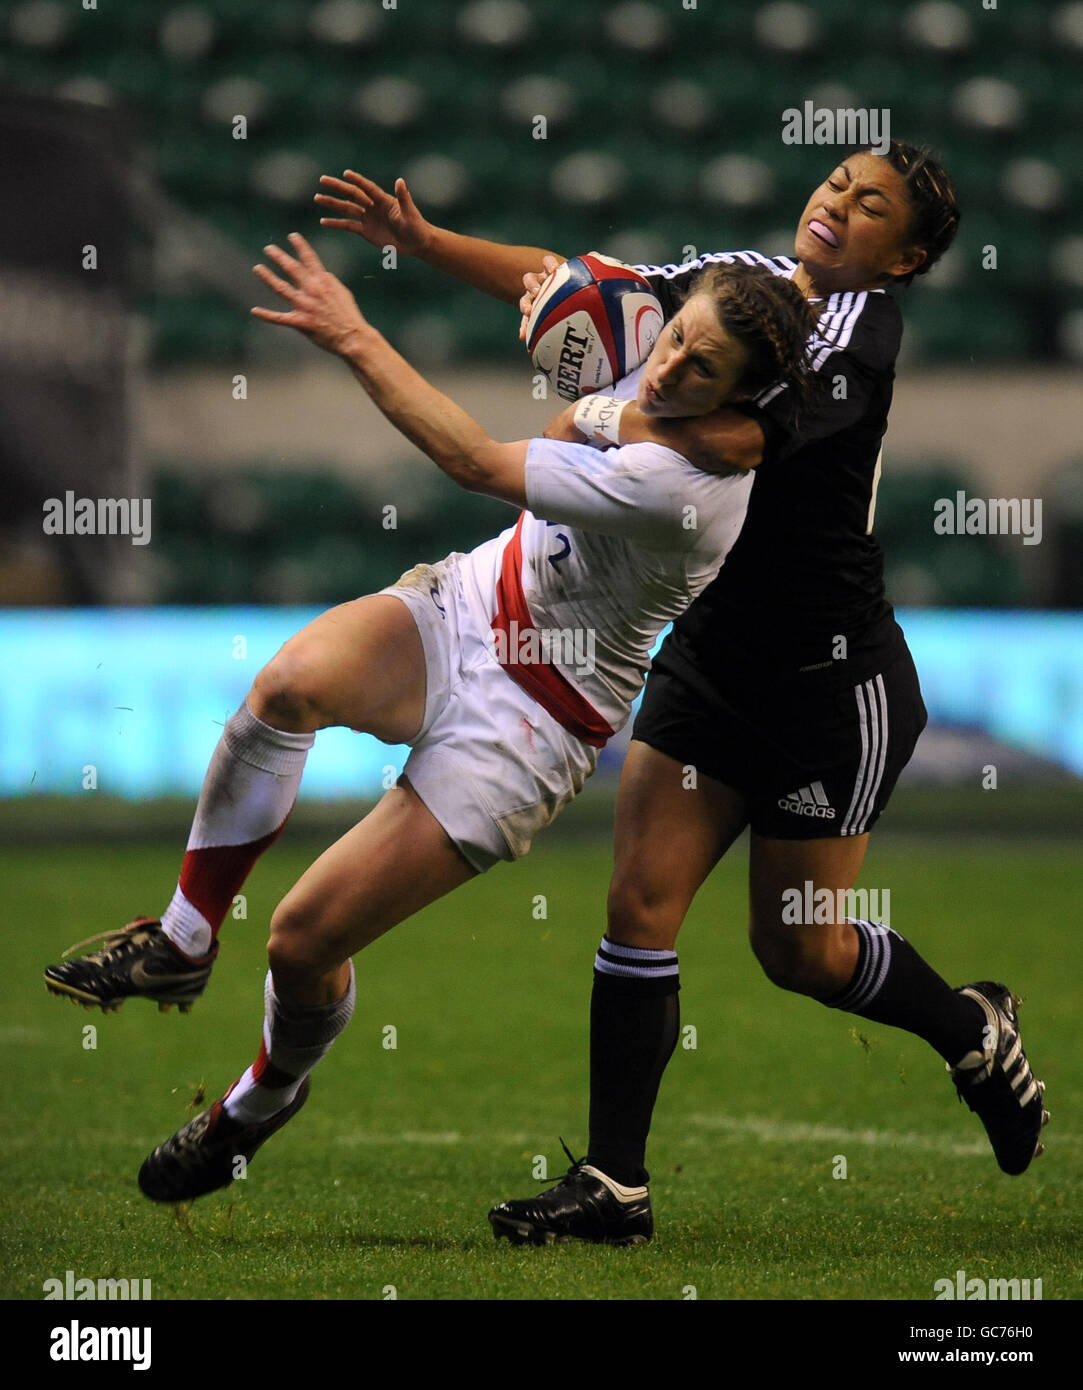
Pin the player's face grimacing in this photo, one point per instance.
(694, 366)
(854, 232)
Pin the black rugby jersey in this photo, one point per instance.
(806, 569)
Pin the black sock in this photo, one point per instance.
(634, 1025)
(892, 984)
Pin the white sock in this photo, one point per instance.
(248, 792)
(294, 1040)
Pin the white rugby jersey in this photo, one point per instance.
(616, 544)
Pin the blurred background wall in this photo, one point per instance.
(132, 369)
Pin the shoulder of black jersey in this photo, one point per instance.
(864, 324)
(781, 265)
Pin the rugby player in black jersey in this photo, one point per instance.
(787, 687)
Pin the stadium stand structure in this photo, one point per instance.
(686, 104)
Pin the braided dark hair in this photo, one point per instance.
(770, 318)
(933, 203)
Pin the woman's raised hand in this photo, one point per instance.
(364, 208)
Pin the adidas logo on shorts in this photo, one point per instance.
(809, 801)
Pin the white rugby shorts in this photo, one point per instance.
(489, 762)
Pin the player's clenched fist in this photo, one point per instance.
(321, 306)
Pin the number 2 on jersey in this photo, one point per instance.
(555, 559)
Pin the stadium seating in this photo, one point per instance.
(924, 569)
(669, 132)
(250, 534)
(304, 535)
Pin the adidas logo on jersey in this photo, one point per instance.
(809, 801)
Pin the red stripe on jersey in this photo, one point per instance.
(541, 680)
(209, 878)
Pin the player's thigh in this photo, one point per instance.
(389, 866)
(672, 827)
(360, 665)
(792, 919)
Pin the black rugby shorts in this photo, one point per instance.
(814, 759)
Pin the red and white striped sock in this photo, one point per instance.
(294, 1040)
(247, 795)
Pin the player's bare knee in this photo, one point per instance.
(282, 695)
(298, 963)
(637, 916)
(788, 961)
(295, 941)
(305, 940)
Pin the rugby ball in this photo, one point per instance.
(593, 322)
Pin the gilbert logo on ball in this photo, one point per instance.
(593, 322)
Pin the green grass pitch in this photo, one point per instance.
(384, 1180)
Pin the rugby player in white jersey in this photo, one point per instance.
(505, 669)
(787, 685)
